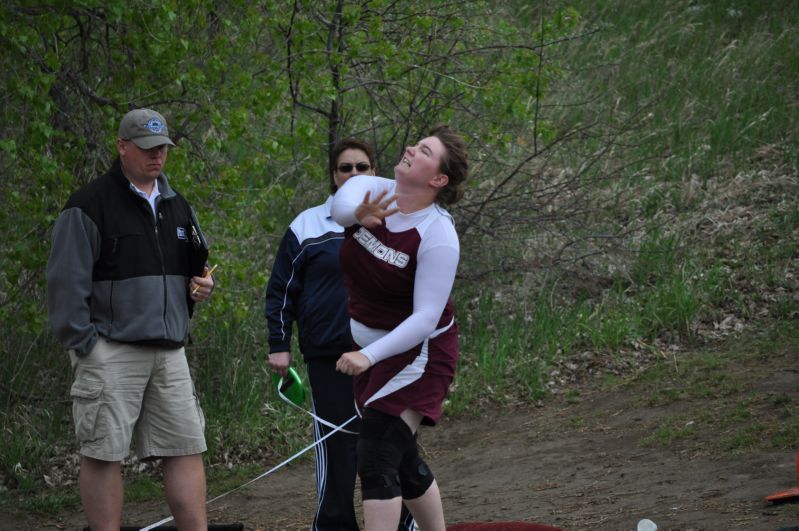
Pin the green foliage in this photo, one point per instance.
(30, 435)
(245, 419)
(505, 361)
(254, 93)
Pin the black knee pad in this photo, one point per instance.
(383, 442)
(377, 470)
(415, 476)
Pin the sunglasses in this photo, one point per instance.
(347, 167)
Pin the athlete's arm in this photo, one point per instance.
(350, 197)
(437, 264)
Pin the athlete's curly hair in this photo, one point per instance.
(454, 164)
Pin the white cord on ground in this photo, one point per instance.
(335, 429)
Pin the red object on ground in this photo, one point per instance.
(501, 526)
(786, 495)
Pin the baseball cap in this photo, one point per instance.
(146, 128)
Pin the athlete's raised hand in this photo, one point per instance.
(371, 212)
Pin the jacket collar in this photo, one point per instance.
(328, 206)
(165, 190)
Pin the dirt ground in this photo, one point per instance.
(576, 464)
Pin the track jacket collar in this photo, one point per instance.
(328, 206)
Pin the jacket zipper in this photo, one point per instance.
(156, 217)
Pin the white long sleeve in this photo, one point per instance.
(437, 263)
(350, 195)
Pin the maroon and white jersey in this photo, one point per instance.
(399, 277)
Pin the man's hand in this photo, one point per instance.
(202, 286)
(353, 363)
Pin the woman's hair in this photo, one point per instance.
(454, 164)
(340, 147)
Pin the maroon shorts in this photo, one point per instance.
(418, 379)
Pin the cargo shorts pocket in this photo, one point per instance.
(200, 413)
(85, 406)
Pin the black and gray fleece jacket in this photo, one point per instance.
(116, 270)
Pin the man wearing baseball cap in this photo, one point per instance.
(146, 128)
(126, 267)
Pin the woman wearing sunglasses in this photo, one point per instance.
(306, 287)
(399, 258)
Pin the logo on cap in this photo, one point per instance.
(154, 125)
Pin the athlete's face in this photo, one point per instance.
(351, 162)
(420, 165)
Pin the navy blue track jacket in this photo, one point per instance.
(307, 286)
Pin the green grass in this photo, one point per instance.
(30, 436)
(223, 480)
(508, 356)
(45, 502)
(138, 488)
(143, 488)
(671, 430)
(719, 407)
(719, 75)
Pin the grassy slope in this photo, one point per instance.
(714, 178)
(722, 82)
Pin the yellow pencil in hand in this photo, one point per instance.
(208, 274)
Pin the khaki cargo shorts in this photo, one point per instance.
(125, 392)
